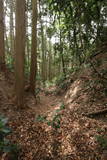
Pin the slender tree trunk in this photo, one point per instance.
(50, 62)
(61, 49)
(28, 48)
(43, 54)
(33, 68)
(20, 52)
(7, 48)
(43, 47)
(62, 56)
(11, 29)
(2, 44)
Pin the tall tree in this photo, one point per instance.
(43, 42)
(20, 51)
(33, 68)
(11, 3)
(2, 48)
(28, 34)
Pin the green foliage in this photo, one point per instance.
(81, 26)
(64, 85)
(50, 32)
(10, 66)
(102, 141)
(62, 106)
(4, 130)
(49, 84)
(56, 120)
(5, 145)
(55, 123)
(60, 79)
(41, 118)
(10, 62)
(37, 91)
(71, 32)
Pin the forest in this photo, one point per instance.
(53, 79)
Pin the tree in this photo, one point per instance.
(28, 35)
(33, 68)
(2, 44)
(81, 25)
(43, 42)
(20, 52)
(11, 3)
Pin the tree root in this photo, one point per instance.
(94, 114)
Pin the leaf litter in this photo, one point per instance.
(76, 137)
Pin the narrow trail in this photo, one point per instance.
(42, 105)
(74, 140)
(32, 136)
(45, 103)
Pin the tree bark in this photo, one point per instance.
(11, 28)
(43, 47)
(20, 52)
(33, 68)
(2, 44)
(50, 62)
(97, 113)
(28, 48)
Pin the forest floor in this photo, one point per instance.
(75, 138)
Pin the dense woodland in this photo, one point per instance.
(53, 79)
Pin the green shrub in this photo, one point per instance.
(5, 145)
(102, 141)
(37, 91)
(49, 83)
(55, 122)
(60, 79)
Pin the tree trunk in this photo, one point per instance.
(50, 62)
(33, 68)
(11, 28)
(43, 54)
(61, 50)
(20, 52)
(28, 48)
(2, 45)
(43, 47)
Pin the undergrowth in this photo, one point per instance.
(56, 119)
(5, 145)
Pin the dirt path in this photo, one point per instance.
(74, 140)
(42, 105)
(33, 137)
(45, 104)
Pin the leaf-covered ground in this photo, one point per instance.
(76, 137)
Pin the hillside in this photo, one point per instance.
(75, 138)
